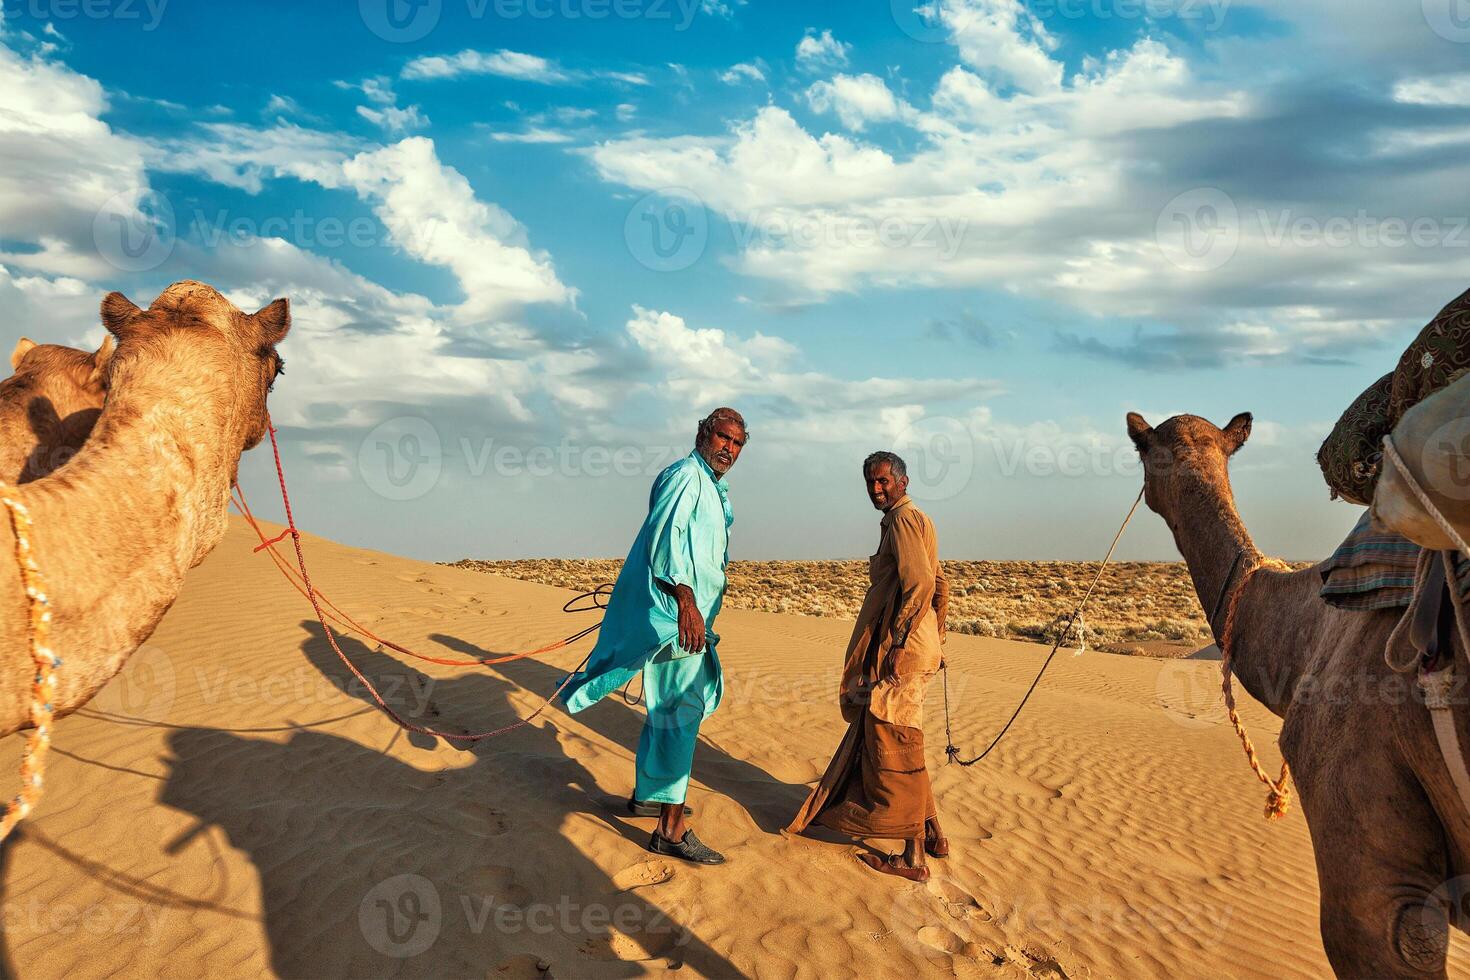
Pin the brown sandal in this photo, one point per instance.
(936, 847)
(891, 864)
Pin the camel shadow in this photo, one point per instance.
(370, 866)
(770, 802)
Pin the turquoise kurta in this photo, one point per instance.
(685, 540)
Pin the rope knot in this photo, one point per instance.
(1278, 801)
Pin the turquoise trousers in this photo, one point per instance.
(679, 693)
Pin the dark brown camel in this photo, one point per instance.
(1388, 830)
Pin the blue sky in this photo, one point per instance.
(529, 242)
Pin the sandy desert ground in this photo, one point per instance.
(232, 806)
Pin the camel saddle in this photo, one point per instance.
(1351, 458)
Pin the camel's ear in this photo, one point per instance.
(100, 360)
(1139, 431)
(23, 346)
(1237, 431)
(274, 320)
(117, 312)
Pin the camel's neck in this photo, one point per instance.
(1219, 552)
(1216, 547)
(146, 497)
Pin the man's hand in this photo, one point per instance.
(691, 623)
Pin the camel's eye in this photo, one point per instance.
(280, 370)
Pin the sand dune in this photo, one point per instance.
(232, 806)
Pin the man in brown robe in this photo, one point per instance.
(876, 785)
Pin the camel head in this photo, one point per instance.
(72, 379)
(49, 405)
(1185, 458)
(190, 324)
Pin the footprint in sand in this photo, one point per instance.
(642, 875)
(523, 966)
(474, 819)
(940, 938)
(959, 903)
(500, 885)
(1039, 962)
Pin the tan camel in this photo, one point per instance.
(48, 406)
(1388, 830)
(145, 499)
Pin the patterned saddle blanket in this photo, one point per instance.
(1374, 569)
(1351, 457)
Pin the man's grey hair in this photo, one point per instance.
(707, 424)
(894, 461)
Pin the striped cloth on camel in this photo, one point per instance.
(1374, 569)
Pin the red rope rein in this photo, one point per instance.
(301, 579)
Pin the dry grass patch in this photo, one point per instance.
(1138, 605)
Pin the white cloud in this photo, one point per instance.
(62, 164)
(721, 8)
(626, 111)
(983, 201)
(1448, 90)
(504, 63)
(510, 64)
(284, 105)
(244, 156)
(393, 120)
(1001, 38)
(533, 135)
(857, 100)
(434, 216)
(698, 367)
(627, 77)
(821, 52)
(385, 113)
(745, 71)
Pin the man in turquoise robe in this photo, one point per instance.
(660, 621)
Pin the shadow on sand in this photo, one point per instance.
(370, 866)
(770, 802)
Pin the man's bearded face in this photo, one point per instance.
(722, 446)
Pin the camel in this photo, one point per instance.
(1388, 830)
(48, 406)
(145, 498)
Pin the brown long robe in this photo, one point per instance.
(876, 784)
